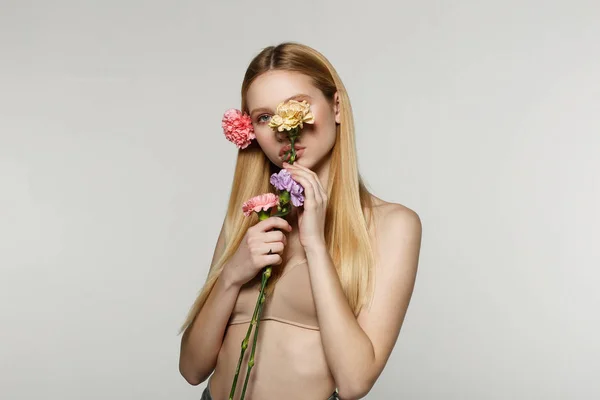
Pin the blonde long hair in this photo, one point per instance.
(347, 222)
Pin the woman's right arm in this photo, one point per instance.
(202, 340)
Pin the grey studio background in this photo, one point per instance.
(481, 116)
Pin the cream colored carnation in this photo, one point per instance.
(291, 114)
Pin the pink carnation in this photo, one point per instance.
(260, 203)
(238, 128)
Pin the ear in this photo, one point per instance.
(336, 107)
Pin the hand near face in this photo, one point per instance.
(311, 217)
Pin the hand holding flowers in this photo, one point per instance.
(262, 245)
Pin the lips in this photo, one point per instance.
(287, 148)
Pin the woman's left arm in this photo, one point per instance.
(357, 348)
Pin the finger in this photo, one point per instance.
(313, 178)
(275, 237)
(274, 223)
(272, 248)
(317, 182)
(308, 170)
(309, 190)
(305, 179)
(273, 259)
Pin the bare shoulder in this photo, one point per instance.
(394, 218)
(395, 233)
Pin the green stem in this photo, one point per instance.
(257, 312)
(262, 215)
(261, 298)
(245, 344)
(293, 150)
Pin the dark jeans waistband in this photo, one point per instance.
(206, 395)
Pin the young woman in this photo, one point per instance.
(344, 264)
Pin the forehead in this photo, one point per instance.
(273, 87)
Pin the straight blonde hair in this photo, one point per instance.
(349, 209)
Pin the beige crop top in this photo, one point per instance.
(291, 301)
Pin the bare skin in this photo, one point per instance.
(291, 361)
(348, 352)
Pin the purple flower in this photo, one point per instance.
(283, 181)
(296, 194)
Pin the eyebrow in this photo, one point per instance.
(294, 97)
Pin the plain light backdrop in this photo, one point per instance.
(483, 117)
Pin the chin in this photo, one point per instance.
(304, 162)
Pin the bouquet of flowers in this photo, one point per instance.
(290, 117)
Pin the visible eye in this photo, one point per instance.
(260, 119)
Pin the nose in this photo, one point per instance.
(280, 136)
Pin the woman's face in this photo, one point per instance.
(316, 140)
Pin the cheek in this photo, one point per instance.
(324, 118)
(264, 135)
(267, 141)
(324, 127)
